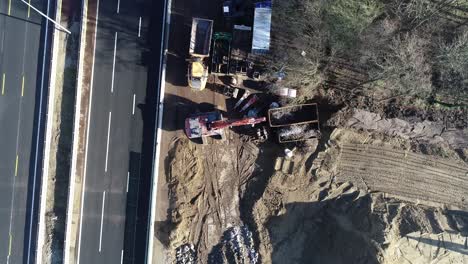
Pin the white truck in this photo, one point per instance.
(199, 50)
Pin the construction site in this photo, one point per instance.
(255, 168)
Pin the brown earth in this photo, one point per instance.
(325, 211)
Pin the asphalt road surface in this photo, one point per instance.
(21, 59)
(115, 129)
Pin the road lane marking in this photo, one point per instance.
(9, 245)
(133, 109)
(121, 257)
(22, 87)
(87, 136)
(9, 7)
(16, 166)
(128, 177)
(139, 27)
(102, 219)
(3, 84)
(113, 63)
(108, 136)
(29, 8)
(118, 6)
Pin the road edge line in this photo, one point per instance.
(162, 87)
(48, 139)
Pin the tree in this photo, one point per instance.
(451, 63)
(347, 19)
(404, 68)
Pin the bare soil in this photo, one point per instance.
(363, 199)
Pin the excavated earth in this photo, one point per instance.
(354, 196)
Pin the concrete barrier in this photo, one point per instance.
(161, 85)
(48, 140)
(70, 238)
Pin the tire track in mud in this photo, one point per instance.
(410, 176)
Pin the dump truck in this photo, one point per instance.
(203, 125)
(295, 122)
(199, 51)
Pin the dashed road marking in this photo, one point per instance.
(133, 108)
(16, 165)
(113, 63)
(29, 8)
(102, 218)
(22, 87)
(108, 136)
(139, 27)
(3, 84)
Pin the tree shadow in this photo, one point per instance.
(446, 245)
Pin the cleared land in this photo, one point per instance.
(412, 176)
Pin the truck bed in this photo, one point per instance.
(293, 115)
(200, 40)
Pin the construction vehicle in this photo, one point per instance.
(199, 50)
(295, 122)
(221, 53)
(204, 125)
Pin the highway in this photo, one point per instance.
(114, 131)
(21, 78)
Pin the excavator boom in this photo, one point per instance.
(236, 122)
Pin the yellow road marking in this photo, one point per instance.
(9, 245)
(22, 87)
(3, 84)
(29, 8)
(9, 7)
(16, 166)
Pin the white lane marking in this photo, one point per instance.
(87, 136)
(113, 63)
(102, 218)
(128, 177)
(108, 136)
(139, 27)
(118, 6)
(133, 108)
(121, 257)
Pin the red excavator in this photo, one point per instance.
(208, 124)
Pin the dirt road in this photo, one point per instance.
(180, 100)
